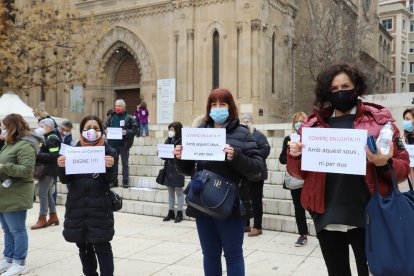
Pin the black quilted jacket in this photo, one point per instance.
(89, 216)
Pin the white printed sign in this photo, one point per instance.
(203, 143)
(165, 150)
(410, 149)
(63, 148)
(114, 133)
(334, 150)
(85, 160)
(165, 101)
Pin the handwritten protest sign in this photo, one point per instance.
(334, 150)
(114, 133)
(203, 143)
(410, 149)
(85, 160)
(165, 150)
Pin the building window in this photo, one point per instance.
(411, 87)
(404, 24)
(216, 59)
(411, 46)
(387, 23)
(402, 67)
(403, 46)
(411, 7)
(411, 67)
(412, 26)
(402, 86)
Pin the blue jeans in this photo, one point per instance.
(143, 128)
(46, 189)
(217, 236)
(16, 241)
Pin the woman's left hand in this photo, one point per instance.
(109, 161)
(229, 150)
(379, 159)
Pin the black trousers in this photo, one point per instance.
(335, 251)
(88, 253)
(300, 213)
(256, 196)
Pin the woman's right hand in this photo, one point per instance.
(177, 151)
(295, 148)
(61, 161)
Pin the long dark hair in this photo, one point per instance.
(89, 118)
(177, 127)
(324, 81)
(16, 127)
(222, 95)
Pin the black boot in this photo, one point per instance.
(170, 216)
(179, 217)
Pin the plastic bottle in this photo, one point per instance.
(385, 138)
(7, 183)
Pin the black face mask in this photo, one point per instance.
(343, 100)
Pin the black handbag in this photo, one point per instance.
(161, 176)
(116, 201)
(212, 194)
(39, 171)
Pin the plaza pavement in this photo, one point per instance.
(145, 245)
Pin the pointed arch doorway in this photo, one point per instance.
(127, 79)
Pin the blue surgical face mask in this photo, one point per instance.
(219, 115)
(408, 125)
(297, 125)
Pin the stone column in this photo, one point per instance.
(255, 24)
(190, 64)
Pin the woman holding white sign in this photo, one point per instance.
(242, 160)
(300, 213)
(337, 201)
(174, 181)
(89, 219)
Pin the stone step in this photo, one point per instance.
(146, 175)
(282, 205)
(270, 221)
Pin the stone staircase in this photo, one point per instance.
(146, 197)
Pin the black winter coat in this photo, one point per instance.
(89, 216)
(49, 153)
(264, 151)
(172, 178)
(246, 163)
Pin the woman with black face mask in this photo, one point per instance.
(337, 201)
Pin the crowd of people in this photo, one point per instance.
(335, 201)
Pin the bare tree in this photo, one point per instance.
(333, 32)
(44, 45)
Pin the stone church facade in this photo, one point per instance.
(238, 44)
(247, 46)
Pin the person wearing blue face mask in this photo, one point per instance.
(242, 161)
(300, 214)
(408, 135)
(174, 181)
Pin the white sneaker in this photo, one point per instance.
(16, 270)
(4, 265)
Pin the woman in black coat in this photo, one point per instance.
(242, 160)
(174, 181)
(89, 219)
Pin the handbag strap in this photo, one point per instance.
(393, 179)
